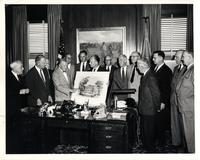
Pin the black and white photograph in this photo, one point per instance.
(99, 79)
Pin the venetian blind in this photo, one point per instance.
(173, 34)
(37, 38)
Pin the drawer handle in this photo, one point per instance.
(108, 137)
(66, 122)
(108, 147)
(108, 128)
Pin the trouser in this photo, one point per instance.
(148, 132)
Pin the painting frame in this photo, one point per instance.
(118, 32)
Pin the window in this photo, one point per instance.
(173, 34)
(37, 41)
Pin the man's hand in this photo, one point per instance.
(50, 99)
(39, 102)
(162, 106)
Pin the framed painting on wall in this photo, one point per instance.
(101, 41)
(91, 88)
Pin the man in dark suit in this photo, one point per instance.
(83, 65)
(149, 101)
(38, 82)
(185, 98)
(15, 100)
(94, 64)
(108, 67)
(120, 77)
(164, 76)
(175, 124)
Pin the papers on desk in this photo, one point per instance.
(118, 115)
(121, 104)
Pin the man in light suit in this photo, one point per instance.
(135, 75)
(70, 69)
(62, 82)
(120, 77)
(38, 82)
(185, 97)
(175, 124)
(83, 64)
(149, 103)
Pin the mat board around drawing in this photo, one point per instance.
(91, 88)
(101, 41)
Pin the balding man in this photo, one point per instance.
(38, 82)
(62, 81)
(149, 102)
(177, 74)
(185, 98)
(15, 100)
(120, 77)
(15, 88)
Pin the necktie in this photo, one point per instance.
(42, 76)
(133, 75)
(123, 74)
(83, 67)
(155, 69)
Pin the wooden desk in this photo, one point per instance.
(110, 136)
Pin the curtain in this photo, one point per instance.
(146, 48)
(16, 42)
(54, 17)
(154, 14)
(189, 41)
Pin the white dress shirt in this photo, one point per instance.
(65, 75)
(38, 69)
(124, 68)
(15, 74)
(158, 67)
(95, 69)
(83, 64)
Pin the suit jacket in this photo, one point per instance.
(14, 101)
(38, 89)
(185, 97)
(119, 83)
(164, 77)
(136, 82)
(185, 91)
(175, 122)
(71, 73)
(149, 94)
(111, 75)
(62, 86)
(77, 67)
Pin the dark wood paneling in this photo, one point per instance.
(82, 16)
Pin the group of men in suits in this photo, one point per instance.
(156, 89)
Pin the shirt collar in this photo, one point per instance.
(190, 65)
(15, 74)
(160, 66)
(146, 72)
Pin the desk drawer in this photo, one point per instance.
(67, 124)
(108, 137)
(109, 127)
(109, 147)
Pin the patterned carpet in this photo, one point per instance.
(167, 148)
